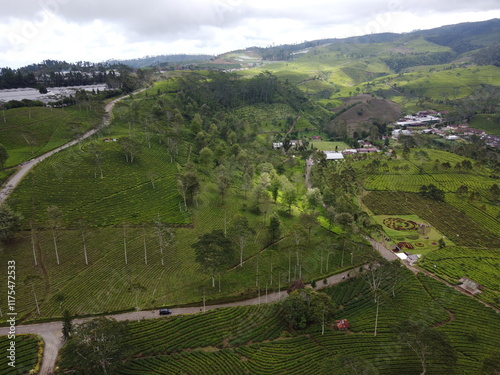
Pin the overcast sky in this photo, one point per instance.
(98, 30)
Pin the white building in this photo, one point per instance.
(331, 155)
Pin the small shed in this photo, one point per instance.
(469, 286)
(342, 325)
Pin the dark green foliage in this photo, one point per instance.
(427, 343)
(348, 364)
(491, 365)
(305, 306)
(67, 325)
(214, 251)
(432, 192)
(400, 62)
(488, 56)
(4, 155)
(274, 228)
(10, 222)
(96, 347)
(225, 90)
(23, 103)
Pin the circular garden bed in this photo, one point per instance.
(397, 223)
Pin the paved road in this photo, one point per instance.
(25, 167)
(51, 333)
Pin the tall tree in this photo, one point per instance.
(4, 155)
(189, 186)
(55, 217)
(240, 232)
(130, 148)
(165, 235)
(10, 222)
(214, 251)
(30, 280)
(427, 343)
(223, 182)
(96, 347)
(85, 231)
(274, 228)
(374, 277)
(67, 325)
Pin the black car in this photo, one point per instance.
(165, 312)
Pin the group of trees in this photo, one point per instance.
(431, 191)
(224, 90)
(10, 222)
(52, 73)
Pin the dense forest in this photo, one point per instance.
(51, 73)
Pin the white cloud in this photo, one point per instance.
(96, 30)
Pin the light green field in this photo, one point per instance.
(489, 123)
(329, 146)
(30, 132)
(428, 242)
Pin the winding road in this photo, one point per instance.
(25, 167)
(51, 333)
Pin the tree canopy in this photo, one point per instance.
(96, 347)
(214, 251)
(10, 221)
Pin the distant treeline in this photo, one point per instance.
(60, 74)
(229, 91)
(163, 60)
(400, 62)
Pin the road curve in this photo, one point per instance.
(51, 333)
(25, 167)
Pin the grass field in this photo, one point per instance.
(119, 285)
(329, 146)
(29, 132)
(489, 123)
(255, 339)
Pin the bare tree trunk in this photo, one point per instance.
(85, 249)
(125, 245)
(241, 255)
(54, 236)
(36, 300)
(144, 244)
(33, 242)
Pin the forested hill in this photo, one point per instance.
(162, 60)
(461, 38)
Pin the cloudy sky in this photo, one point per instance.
(98, 30)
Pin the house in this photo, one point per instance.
(277, 145)
(349, 151)
(342, 325)
(397, 132)
(331, 155)
(469, 286)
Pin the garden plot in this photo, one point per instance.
(410, 233)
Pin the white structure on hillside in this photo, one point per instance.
(331, 155)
